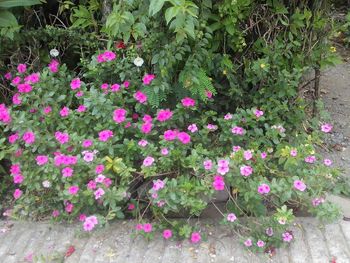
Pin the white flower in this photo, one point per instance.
(46, 184)
(138, 62)
(54, 52)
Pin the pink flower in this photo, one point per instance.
(140, 97)
(238, 130)
(263, 155)
(247, 155)
(28, 137)
(263, 189)
(115, 87)
(260, 243)
(119, 115)
(248, 243)
(317, 201)
(258, 113)
(208, 164)
(146, 127)
(47, 110)
(73, 190)
(15, 169)
(32, 78)
(75, 84)
(212, 127)
(79, 94)
(148, 161)
(81, 108)
(88, 156)
(231, 217)
(55, 213)
(104, 135)
(126, 84)
(170, 135)
(246, 170)
(99, 193)
(236, 148)
(53, 66)
(143, 143)
(327, 162)
(13, 138)
(195, 237)
(139, 227)
(228, 116)
(69, 207)
(192, 128)
(21, 68)
(299, 185)
(310, 159)
(223, 167)
(327, 127)
(209, 94)
(131, 207)
(164, 115)
(17, 193)
(147, 227)
(293, 152)
(167, 234)
(91, 185)
(64, 112)
(88, 226)
(287, 237)
(106, 56)
(99, 168)
(147, 79)
(147, 118)
(104, 86)
(82, 217)
(62, 137)
(100, 178)
(158, 184)
(188, 102)
(164, 151)
(107, 182)
(16, 100)
(219, 183)
(41, 159)
(184, 137)
(24, 88)
(8, 76)
(87, 143)
(18, 178)
(16, 81)
(67, 172)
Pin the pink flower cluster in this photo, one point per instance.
(5, 116)
(61, 137)
(238, 130)
(183, 137)
(15, 171)
(223, 167)
(106, 56)
(263, 189)
(90, 223)
(61, 159)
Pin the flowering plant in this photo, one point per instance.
(94, 151)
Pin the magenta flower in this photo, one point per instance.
(140, 97)
(158, 184)
(67, 172)
(219, 183)
(148, 78)
(119, 115)
(104, 135)
(263, 155)
(195, 237)
(73, 190)
(126, 84)
(87, 143)
(75, 84)
(167, 233)
(131, 206)
(21, 68)
(258, 113)
(170, 135)
(16, 81)
(91, 185)
(188, 102)
(8, 76)
(32, 78)
(16, 100)
(64, 112)
(317, 201)
(47, 110)
(184, 137)
(231, 217)
(62, 137)
(115, 87)
(147, 118)
(164, 115)
(299, 185)
(81, 108)
(24, 88)
(55, 213)
(104, 86)
(18, 179)
(28, 137)
(53, 66)
(148, 161)
(15, 169)
(13, 138)
(82, 217)
(146, 127)
(147, 227)
(236, 148)
(41, 159)
(17, 193)
(246, 170)
(327, 127)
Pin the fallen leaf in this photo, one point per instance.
(70, 251)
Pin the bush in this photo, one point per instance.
(82, 146)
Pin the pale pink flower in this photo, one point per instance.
(188, 102)
(87, 143)
(79, 94)
(91, 185)
(164, 151)
(299, 185)
(47, 110)
(327, 127)
(158, 184)
(88, 226)
(263, 189)
(88, 156)
(248, 155)
(143, 143)
(269, 231)
(236, 148)
(147, 79)
(212, 127)
(293, 152)
(238, 130)
(317, 201)
(287, 237)
(67, 172)
(248, 243)
(246, 170)
(260, 243)
(148, 161)
(17, 193)
(192, 128)
(258, 113)
(41, 159)
(209, 94)
(327, 162)
(228, 116)
(82, 217)
(55, 213)
(99, 193)
(208, 164)
(16, 100)
(100, 178)
(310, 159)
(231, 217)
(223, 167)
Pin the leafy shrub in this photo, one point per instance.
(91, 147)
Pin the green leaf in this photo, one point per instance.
(155, 6)
(7, 19)
(16, 3)
(170, 13)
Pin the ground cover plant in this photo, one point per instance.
(81, 147)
